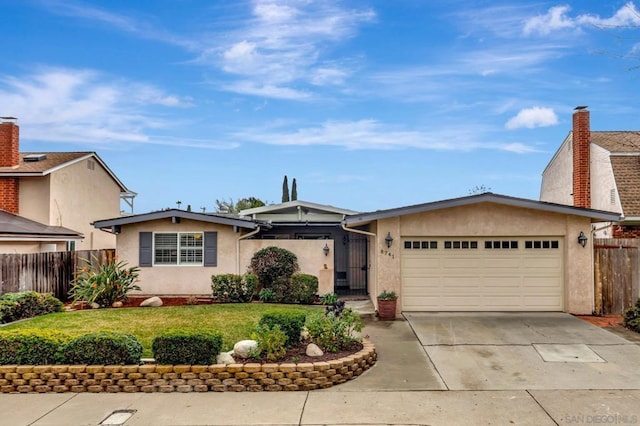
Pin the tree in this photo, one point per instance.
(224, 206)
(479, 189)
(285, 190)
(294, 190)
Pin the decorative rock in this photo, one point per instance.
(225, 358)
(94, 305)
(117, 304)
(244, 347)
(154, 301)
(314, 350)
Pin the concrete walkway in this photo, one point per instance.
(441, 374)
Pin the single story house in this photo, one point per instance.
(485, 252)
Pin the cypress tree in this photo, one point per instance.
(294, 190)
(285, 190)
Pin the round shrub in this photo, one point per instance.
(186, 347)
(32, 347)
(272, 263)
(27, 304)
(304, 288)
(290, 322)
(104, 348)
(232, 288)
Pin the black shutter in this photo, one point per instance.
(210, 249)
(146, 249)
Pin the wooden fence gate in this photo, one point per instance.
(617, 274)
(45, 272)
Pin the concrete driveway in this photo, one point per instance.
(511, 351)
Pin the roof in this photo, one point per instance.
(176, 213)
(55, 161)
(617, 141)
(487, 197)
(626, 171)
(292, 206)
(19, 228)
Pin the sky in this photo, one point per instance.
(368, 104)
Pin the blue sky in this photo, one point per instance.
(369, 104)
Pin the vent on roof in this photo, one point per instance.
(35, 157)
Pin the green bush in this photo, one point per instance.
(290, 322)
(271, 341)
(186, 347)
(32, 347)
(329, 298)
(273, 263)
(267, 295)
(335, 332)
(631, 317)
(232, 288)
(104, 348)
(105, 283)
(304, 288)
(27, 304)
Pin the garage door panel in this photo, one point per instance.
(509, 273)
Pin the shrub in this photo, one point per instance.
(271, 341)
(272, 263)
(32, 347)
(631, 317)
(267, 295)
(304, 288)
(335, 332)
(27, 304)
(232, 288)
(103, 348)
(186, 347)
(104, 284)
(290, 322)
(329, 298)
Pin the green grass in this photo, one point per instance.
(235, 321)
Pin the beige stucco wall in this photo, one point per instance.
(80, 196)
(488, 219)
(34, 198)
(30, 247)
(178, 280)
(311, 258)
(557, 178)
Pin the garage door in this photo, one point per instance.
(482, 274)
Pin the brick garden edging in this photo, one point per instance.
(185, 378)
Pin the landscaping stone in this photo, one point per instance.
(94, 305)
(314, 350)
(154, 301)
(243, 348)
(225, 358)
(117, 304)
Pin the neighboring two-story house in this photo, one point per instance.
(59, 189)
(598, 170)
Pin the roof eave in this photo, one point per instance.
(166, 214)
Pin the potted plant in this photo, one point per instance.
(387, 304)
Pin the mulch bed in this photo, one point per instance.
(298, 354)
(603, 320)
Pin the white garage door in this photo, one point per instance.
(482, 274)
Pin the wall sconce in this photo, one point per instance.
(388, 240)
(582, 239)
(325, 249)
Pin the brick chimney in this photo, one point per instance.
(9, 157)
(581, 138)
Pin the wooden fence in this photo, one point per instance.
(45, 272)
(617, 274)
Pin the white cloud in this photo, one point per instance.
(557, 18)
(373, 135)
(83, 106)
(532, 118)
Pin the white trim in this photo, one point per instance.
(178, 248)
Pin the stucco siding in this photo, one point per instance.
(178, 280)
(34, 199)
(81, 195)
(603, 182)
(488, 219)
(30, 247)
(557, 178)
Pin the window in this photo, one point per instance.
(422, 245)
(542, 244)
(184, 248)
(460, 244)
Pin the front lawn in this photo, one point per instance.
(235, 321)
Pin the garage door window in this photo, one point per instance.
(541, 244)
(460, 245)
(501, 245)
(420, 245)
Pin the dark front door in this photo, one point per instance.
(352, 265)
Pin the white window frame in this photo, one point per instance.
(181, 249)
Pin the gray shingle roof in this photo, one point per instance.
(14, 225)
(626, 171)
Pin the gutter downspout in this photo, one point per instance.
(375, 237)
(242, 237)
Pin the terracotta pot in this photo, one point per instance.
(387, 309)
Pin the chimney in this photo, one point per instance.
(581, 139)
(9, 157)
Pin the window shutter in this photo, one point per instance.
(146, 249)
(210, 249)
